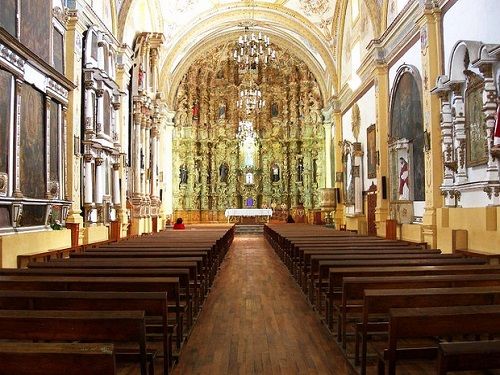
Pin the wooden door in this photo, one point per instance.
(372, 205)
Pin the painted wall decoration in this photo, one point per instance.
(36, 20)
(477, 148)
(32, 145)
(371, 148)
(406, 123)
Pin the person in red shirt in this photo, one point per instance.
(178, 224)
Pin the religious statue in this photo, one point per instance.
(404, 189)
(196, 110)
(300, 170)
(140, 77)
(274, 109)
(249, 178)
(183, 174)
(275, 173)
(222, 111)
(223, 172)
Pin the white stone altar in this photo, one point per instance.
(248, 212)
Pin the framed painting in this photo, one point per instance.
(477, 147)
(36, 20)
(371, 146)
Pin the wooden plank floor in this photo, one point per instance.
(257, 321)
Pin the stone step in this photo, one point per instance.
(241, 228)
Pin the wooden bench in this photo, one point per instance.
(436, 292)
(468, 356)
(426, 322)
(106, 326)
(27, 358)
(154, 305)
(169, 285)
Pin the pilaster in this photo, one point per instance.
(431, 47)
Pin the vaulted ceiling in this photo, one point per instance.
(306, 28)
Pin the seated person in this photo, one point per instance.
(289, 219)
(178, 224)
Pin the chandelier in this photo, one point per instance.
(250, 98)
(246, 132)
(253, 48)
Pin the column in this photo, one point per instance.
(136, 165)
(88, 189)
(154, 162)
(431, 53)
(17, 131)
(337, 160)
(73, 66)
(167, 156)
(327, 124)
(99, 181)
(116, 184)
(459, 144)
(381, 74)
(99, 128)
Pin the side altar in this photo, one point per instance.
(248, 215)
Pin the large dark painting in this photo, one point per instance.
(5, 100)
(36, 25)
(54, 141)
(58, 51)
(32, 148)
(8, 16)
(407, 123)
(371, 148)
(477, 147)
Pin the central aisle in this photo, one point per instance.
(257, 321)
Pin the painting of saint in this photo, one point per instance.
(223, 172)
(406, 116)
(32, 149)
(274, 109)
(5, 82)
(8, 16)
(477, 151)
(222, 110)
(371, 151)
(36, 20)
(404, 189)
(183, 174)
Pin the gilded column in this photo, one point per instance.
(338, 167)
(167, 156)
(431, 50)
(116, 184)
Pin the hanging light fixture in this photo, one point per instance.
(246, 132)
(250, 98)
(252, 48)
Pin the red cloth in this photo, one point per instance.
(179, 226)
(496, 139)
(403, 181)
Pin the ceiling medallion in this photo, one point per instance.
(314, 7)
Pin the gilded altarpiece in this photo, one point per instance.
(225, 157)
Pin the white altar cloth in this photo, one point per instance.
(248, 212)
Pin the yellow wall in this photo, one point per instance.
(31, 243)
(95, 234)
(482, 226)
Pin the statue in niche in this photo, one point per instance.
(140, 77)
(196, 110)
(223, 172)
(275, 173)
(222, 110)
(183, 174)
(249, 178)
(404, 188)
(274, 109)
(300, 170)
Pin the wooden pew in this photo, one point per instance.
(106, 326)
(426, 322)
(28, 358)
(432, 292)
(468, 356)
(154, 305)
(170, 285)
